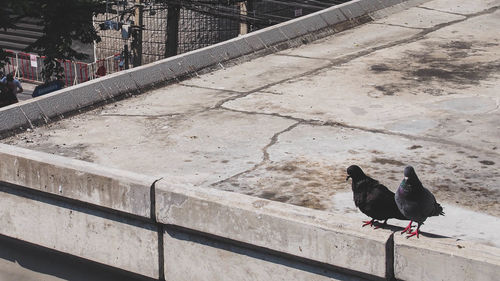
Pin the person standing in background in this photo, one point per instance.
(9, 87)
(12, 83)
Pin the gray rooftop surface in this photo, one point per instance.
(418, 87)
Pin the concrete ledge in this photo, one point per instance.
(54, 104)
(219, 261)
(302, 232)
(12, 118)
(139, 79)
(189, 222)
(78, 180)
(444, 259)
(80, 232)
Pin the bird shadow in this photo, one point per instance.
(399, 229)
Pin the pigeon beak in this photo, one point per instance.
(346, 179)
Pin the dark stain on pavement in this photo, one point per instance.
(487, 162)
(384, 161)
(379, 68)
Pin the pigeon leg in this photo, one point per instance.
(408, 228)
(381, 225)
(369, 222)
(414, 232)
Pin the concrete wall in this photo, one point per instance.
(183, 232)
(134, 81)
(167, 229)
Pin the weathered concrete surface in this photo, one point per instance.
(285, 126)
(185, 250)
(461, 7)
(461, 224)
(139, 79)
(84, 233)
(310, 234)
(444, 259)
(78, 180)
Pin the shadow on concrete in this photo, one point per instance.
(20, 260)
(397, 231)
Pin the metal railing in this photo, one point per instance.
(28, 67)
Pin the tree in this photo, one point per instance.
(8, 20)
(63, 22)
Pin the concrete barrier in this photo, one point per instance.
(78, 180)
(172, 230)
(185, 232)
(444, 259)
(106, 216)
(283, 228)
(117, 85)
(79, 231)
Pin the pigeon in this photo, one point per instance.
(415, 201)
(372, 198)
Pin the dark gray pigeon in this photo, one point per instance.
(372, 198)
(415, 201)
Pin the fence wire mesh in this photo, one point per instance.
(200, 23)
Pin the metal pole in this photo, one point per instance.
(243, 13)
(16, 69)
(75, 81)
(250, 10)
(95, 43)
(125, 53)
(173, 16)
(137, 40)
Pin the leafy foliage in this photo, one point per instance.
(63, 22)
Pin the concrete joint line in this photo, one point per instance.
(343, 125)
(152, 195)
(209, 88)
(289, 40)
(345, 59)
(441, 11)
(159, 231)
(389, 262)
(397, 25)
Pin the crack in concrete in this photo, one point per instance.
(296, 119)
(407, 136)
(143, 115)
(298, 56)
(265, 157)
(345, 59)
(348, 58)
(397, 25)
(437, 10)
(209, 88)
(313, 122)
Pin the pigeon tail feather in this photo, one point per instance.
(438, 210)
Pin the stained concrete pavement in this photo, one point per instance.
(418, 87)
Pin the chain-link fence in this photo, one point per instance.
(145, 26)
(198, 29)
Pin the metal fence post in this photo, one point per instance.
(173, 16)
(16, 68)
(137, 38)
(75, 81)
